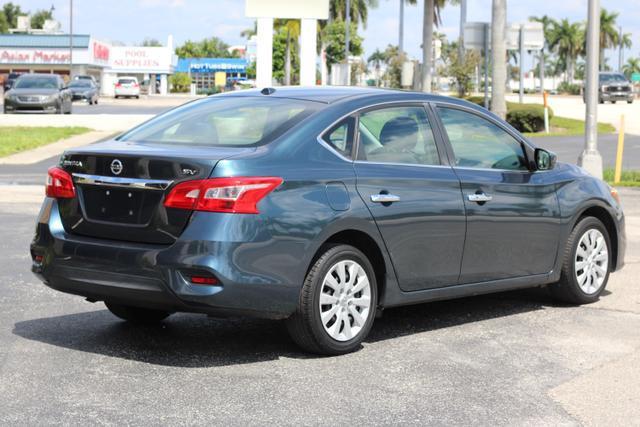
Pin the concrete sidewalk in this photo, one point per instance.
(99, 122)
(54, 149)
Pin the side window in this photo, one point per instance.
(397, 135)
(478, 143)
(340, 137)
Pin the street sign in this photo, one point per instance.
(474, 35)
(635, 77)
(533, 36)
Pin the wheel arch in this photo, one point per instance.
(603, 215)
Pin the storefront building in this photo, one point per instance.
(203, 71)
(50, 53)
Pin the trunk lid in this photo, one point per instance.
(121, 188)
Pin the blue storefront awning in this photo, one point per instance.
(212, 65)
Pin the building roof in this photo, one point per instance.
(209, 65)
(43, 40)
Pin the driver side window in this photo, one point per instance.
(478, 143)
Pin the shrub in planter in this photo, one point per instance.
(527, 117)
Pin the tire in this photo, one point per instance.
(137, 96)
(630, 101)
(306, 326)
(137, 314)
(614, 101)
(600, 101)
(568, 289)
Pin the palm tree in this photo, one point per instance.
(430, 19)
(499, 57)
(631, 67)
(377, 58)
(624, 43)
(292, 27)
(247, 33)
(609, 36)
(547, 25)
(567, 39)
(359, 10)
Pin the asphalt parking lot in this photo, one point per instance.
(514, 358)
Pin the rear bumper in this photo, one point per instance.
(153, 276)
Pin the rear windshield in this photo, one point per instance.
(127, 81)
(36, 83)
(224, 121)
(81, 83)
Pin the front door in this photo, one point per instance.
(513, 223)
(414, 198)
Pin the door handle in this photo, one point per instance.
(384, 198)
(479, 197)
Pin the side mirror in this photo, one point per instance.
(545, 160)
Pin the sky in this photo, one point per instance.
(131, 21)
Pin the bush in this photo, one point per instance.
(570, 88)
(180, 82)
(524, 117)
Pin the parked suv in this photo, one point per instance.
(614, 87)
(127, 86)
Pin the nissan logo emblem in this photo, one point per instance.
(116, 167)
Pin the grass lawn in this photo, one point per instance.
(563, 126)
(627, 178)
(14, 139)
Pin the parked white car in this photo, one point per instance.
(127, 87)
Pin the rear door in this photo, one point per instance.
(513, 223)
(414, 196)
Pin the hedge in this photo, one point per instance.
(524, 117)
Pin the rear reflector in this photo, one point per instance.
(60, 184)
(231, 195)
(204, 280)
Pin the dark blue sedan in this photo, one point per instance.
(322, 207)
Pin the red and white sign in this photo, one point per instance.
(37, 56)
(100, 53)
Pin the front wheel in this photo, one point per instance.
(337, 303)
(137, 314)
(587, 262)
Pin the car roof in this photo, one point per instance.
(333, 94)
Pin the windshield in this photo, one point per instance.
(611, 78)
(80, 83)
(224, 121)
(36, 83)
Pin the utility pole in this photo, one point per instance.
(70, 40)
(541, 70)
(486, 65)
(401, 34)
(463, 20)
(499, 57)
(347, 27)
(590, 158)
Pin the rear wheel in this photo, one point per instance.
(137, 314)
(630, 101)
(337, 303)
(587, 261)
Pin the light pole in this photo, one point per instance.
(401, 35)
(463, 19)
(620, 52)
(590, 158)
(70, 40)
(347, 25)
(499, 57)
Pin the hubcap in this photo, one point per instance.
(592, 261)
(345, 300)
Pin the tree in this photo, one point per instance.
(180, 82)
(247, 33)
(377, 58)
(394, 60)
(631, 67)
(567, 39)
(4, 25)
(292, 28)
(462, 69)
(430, 19)
(11, 12)
(208, 48)
(279, 57)
(38, 18)
(359, 10)
(151, 42)
(609, 35)
(333, 36)
(499, 57)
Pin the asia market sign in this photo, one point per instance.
(34, 56)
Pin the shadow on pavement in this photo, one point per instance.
(195, 341)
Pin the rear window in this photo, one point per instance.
(127, 81)
(224, 121)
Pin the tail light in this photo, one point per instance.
(136, 85)
(60, 184)
(231, 195)
(118, 84)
